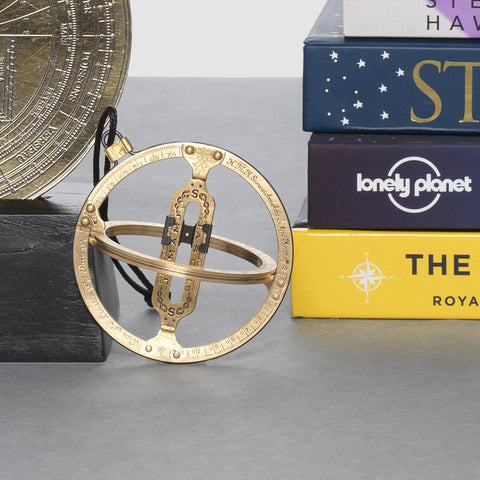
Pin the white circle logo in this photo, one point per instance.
(414, 185)
(418, 209)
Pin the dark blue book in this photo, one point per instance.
(399, 182)
(388, 85)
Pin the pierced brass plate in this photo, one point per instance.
(275, 275)
(61, 64)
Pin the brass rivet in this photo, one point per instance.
(217, 155)
(85, 221)
(281, 283)
(276, 296)
(148, 348)
(90, 208)
(176, 354)
(189, 150)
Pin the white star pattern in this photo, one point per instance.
(334, 56)
(348, 93)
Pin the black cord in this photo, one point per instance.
(110, 113)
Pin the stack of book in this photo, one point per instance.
(391, 227)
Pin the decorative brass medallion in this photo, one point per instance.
(91, 228)
(61, 63)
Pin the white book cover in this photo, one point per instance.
(412, 18)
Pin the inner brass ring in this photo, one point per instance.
(264, 272)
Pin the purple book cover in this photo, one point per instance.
(400, 182)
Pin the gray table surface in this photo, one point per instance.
(306, 398)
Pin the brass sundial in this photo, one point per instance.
(61, 63)
(273, 275)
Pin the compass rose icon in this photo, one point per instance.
(367, 277)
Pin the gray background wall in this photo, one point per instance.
(215, 38)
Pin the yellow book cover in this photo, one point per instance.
(380, 274)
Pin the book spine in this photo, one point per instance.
(355, 274)
(393, 182)
(412, 18)
(354, 85)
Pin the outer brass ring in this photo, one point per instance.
(276, 283)
(263, 274)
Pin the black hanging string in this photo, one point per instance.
(110, 113)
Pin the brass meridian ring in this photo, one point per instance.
(92, 229)
(264, 273)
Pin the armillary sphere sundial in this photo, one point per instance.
(92, 229)
(61, 63)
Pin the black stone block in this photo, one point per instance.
(42, 315)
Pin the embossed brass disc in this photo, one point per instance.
(91, 228)
(61, 64)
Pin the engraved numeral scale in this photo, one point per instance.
(61, 64)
